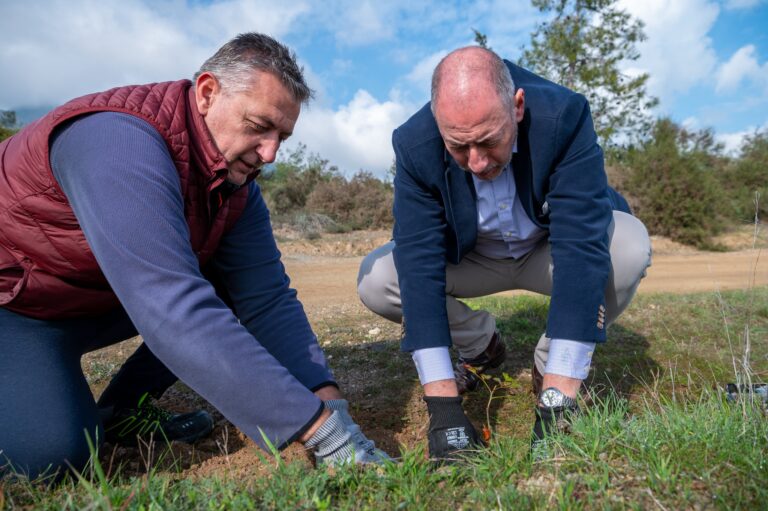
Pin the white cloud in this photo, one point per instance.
(678, 53)
(356, 22)
(54, 50)
(357, 135)
(742, 4)
(422, 71)
(733, 141)
(742, 66)
(420, 76)
(341, 66)
(691, 123)
(365, 23)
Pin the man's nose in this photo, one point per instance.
(478, 160)
(268, 150)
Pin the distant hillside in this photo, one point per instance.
(27, 115)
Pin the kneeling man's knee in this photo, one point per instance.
(630, 247)
(377, 283)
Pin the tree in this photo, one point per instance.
(481, 39)
(7, 123)
(581, 47)
(7, 119)
(745, 181)
(672, 180)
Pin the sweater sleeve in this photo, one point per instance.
(248, 264)
(118, 175)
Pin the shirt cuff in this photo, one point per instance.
(433, 364)
(570, 358)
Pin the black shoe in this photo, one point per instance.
(146, 422)
(468, 371)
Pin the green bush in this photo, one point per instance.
(294, 178)
(5, 133)
(312, 195)
(746, 176)
(363, 202)
(672, 179)
(7, 124)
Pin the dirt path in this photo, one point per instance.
(323, 280)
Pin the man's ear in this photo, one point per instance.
(519, 102)
(206, 88)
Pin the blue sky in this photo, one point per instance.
(370, 62)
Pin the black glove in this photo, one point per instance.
(449, 429)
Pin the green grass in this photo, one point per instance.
(657, 433)
(696, 454)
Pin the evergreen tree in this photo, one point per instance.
(581, 47)
(7, 124)
(481, 39)
(745, 182)
(672, 180)
(7, 119)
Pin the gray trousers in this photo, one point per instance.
(476, 275)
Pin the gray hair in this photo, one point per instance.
(496, 70)
(235, 62)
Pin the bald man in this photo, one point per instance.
(500, 185)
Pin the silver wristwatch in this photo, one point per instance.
(556, 400)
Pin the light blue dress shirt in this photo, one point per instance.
(505, 231)
(503, 228)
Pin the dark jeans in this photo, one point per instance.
(46, 407)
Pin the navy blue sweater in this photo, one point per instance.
(258, 367)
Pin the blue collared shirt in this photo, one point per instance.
(505, 231)
(503, 227)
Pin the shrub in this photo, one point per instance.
(363, 202)
(306, 187)
(7, 124)
(5, 133)
(287, 189)
(672, 179)
(747, 175)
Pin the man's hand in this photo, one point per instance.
(365, 449)
(450, 432)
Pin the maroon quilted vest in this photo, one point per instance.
(47, 269)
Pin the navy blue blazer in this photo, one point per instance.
(560, 177)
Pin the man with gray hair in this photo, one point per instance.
(500, 184)
(134, 210)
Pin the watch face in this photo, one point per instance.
(551, 398)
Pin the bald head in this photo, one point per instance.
(466, 74)
(477, 109)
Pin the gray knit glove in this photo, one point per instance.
(331, 442)
(365, 449)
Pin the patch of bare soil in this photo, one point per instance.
(324, 271)
(350, 244)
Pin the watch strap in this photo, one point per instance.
(568, 403)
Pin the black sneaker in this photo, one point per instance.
(147, 422)
(468, 371)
